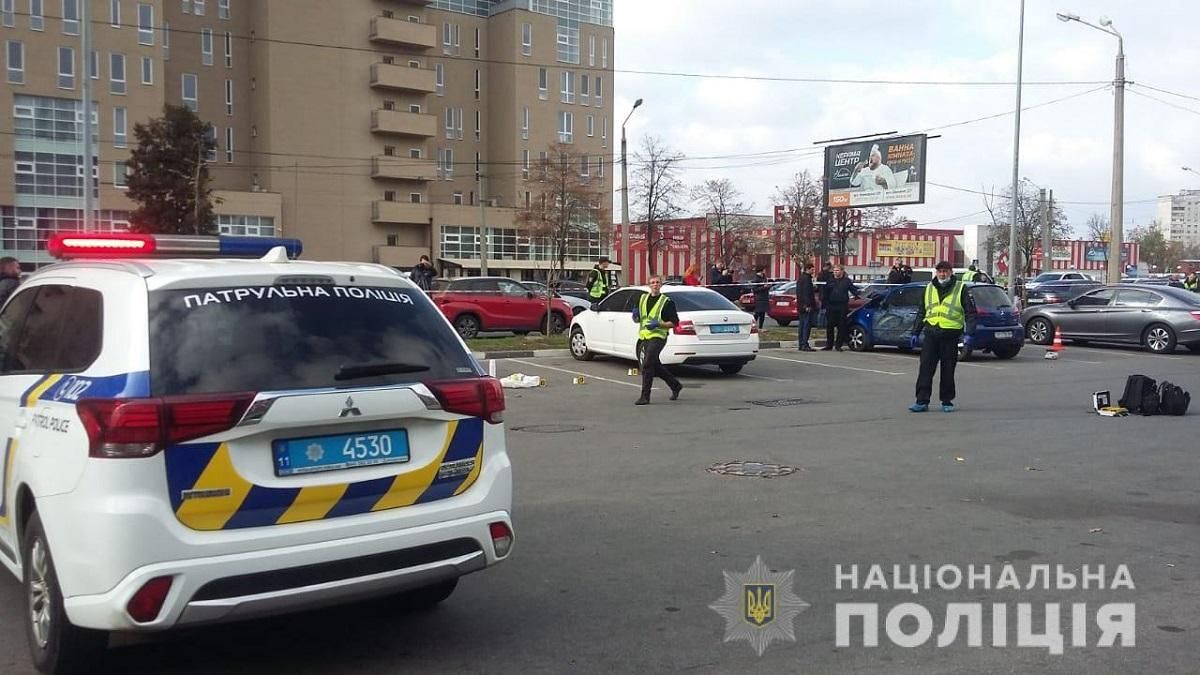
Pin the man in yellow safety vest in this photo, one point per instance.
(946, 317)
(598, 281)
(656, 315)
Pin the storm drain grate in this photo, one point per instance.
(550, 428)
(751, 469)
(779, 402)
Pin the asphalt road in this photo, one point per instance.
(623, 537)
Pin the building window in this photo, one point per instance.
(190, 94)
(223, 10)
(583, 90)
(94, 65)
(415, 198)
(543, 83)
(457, 199)
(116, 73)
(585, 166)
(166, 29)
(37, 20)
(228, 49)
(70, 14)
(206, 46)
(566, 81)
(604, 132)
(120, 175)
(228, 97)
(449, 115)
(604, 53)
(50, 119)
(527, 39)
(229, 145)
(47, 174)
(147, 70)
(120, 133)
(525, 123)
(591, 126)
(187, 6)
(591, 50)
(198, 7)
(414, 153)
(16, 62)
(439, 79)
(566, 127)
(247, 226)
(446, 163)
(476, 84)
(478, 126)
(211, 155)
(114, 13)
(600, 166)
(450, 38)
(568, 40)
(66, 68)
(525, 164)
(477, 43)
(145, 24)
(599, 91)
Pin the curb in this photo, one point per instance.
(547, 353)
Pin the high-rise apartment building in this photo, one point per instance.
(371, 129)
(1179, 217)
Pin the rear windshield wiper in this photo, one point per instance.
(373, 369)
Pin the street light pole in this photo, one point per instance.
(1188, 168)
(1116, 214)
(626, 268)
(89, 199)
(1013, 255)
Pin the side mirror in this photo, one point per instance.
(529, 294)
(595, 307)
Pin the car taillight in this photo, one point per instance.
(753, 328)
(141, 427)
(1195, 315)
(685, 327)
(145, 605)
(476, 397)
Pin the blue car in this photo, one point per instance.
(887, 319)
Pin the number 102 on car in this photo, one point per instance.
(343, 451)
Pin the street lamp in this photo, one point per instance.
(1188, 168)
(626, 268)
(1118, 171)
(1013, 258)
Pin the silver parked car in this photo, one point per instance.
(1157, 317)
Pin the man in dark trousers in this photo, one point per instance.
(656, 316)
(947, 316)
(762, 296)
(598, 282)
(806, 306)
(836, 295)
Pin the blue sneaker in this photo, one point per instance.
(919, 407)
(947, 407)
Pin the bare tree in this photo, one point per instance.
(658, 193)
(801, 202)
(1097, 228)
(1029, 224)
(564, 207)
(729, 227)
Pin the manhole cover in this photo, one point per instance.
(778, 402)
(751, 469)
(550, 428)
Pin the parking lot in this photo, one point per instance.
(623, 536)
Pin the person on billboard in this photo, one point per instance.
(873, 174)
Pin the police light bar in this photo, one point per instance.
(131, 245)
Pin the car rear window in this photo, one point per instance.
(270, 338)
(700, 301)
(440, 284)
(990, 298)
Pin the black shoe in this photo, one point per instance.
(642, 401)
(808, 349)
(675, 392)
(838, 348)
(826, 349)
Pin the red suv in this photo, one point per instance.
(474, 304)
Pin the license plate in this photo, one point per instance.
(345, 451)
(783, 304)
(1004, 335)
(723, 329)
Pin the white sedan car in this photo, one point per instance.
(711, 330)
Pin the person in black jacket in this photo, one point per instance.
(896, 276)
(947, 316)
(836, 296)
(762, 296)
(423, 274)
(806, 306)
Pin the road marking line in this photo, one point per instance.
(830, 365)
(763, 377)
(1126, 355)
(576, 372)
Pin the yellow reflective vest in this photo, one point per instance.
(599, 287)
(948, 312)
(654, 312)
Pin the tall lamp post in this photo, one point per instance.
(626, 268)
(1188, 168)
(1014, 262)
(1118, 170)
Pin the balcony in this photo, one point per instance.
(402, 213)
(403, 33)
(403, 168)
(402, 78)
(403, 123)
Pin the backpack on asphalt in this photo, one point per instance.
(1141, 395)
(1173, 400)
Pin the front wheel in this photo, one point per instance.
(859, 340)
(1040, 331)
(578, 344)
(57, 647)
(1159, 338)
(783, 323)
(731, 368)
(558, 323)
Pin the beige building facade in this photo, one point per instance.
(370, 129)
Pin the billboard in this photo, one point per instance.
(879, 172)
(897, 248)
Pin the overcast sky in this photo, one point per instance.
(1066, 145)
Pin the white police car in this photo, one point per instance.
(205, 440)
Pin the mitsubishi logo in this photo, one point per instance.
(349, 409)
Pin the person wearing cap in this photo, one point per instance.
(947, 317)
(655, 315)
(598, 281)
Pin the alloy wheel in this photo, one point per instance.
(39, 593)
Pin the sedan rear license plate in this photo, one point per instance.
(723, 329)
(783, 304)
(1004, 335)
(345, 451)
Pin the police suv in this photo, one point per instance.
(189, 441)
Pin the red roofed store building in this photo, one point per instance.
(682, 242)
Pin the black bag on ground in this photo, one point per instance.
(1173, 400)
(1141, 395)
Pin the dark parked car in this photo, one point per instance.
(575, 288)
(1156, 317)
(888, 318)
(1053, 293)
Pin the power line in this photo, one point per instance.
(1164, 91)
(1166, 103)
(1056, 201)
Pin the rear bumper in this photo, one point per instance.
(710, 353)
(985, 338)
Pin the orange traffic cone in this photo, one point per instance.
(1056, 346)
